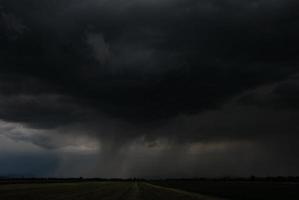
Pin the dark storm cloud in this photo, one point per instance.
(281, 95)
(41, 111)
(181, 71)
(194, 56)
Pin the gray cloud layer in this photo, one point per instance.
(155, 75)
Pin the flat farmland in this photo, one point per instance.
(95, 190)
(237, 190)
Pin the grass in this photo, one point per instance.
(237, 190)
(94, 190)
(157, 190)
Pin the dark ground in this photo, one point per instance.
(90, 189)
(241, 190)
(125, 190)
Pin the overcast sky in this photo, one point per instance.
(149, 88)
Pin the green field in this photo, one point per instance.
(95, 190)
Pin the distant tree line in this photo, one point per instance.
(251, 178)
(10, 180)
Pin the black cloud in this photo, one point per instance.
(203, 52)
(142, 65)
